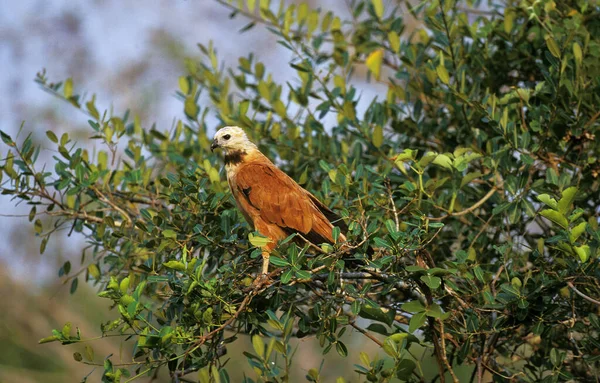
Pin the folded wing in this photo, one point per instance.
(270, 197)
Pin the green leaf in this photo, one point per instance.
(557, 357)
(405, 369)
(74, 285)
(303, 274)
(49, 339)
(413, 307)
(568, 196)
(341, 349)
(399, 337)
(508, 288)
(509, 18)
(286, 276)
(66, 330)
(394, 40)
(191, 109)
(374, 62)
(378, 7)
(555, 217)
(335, 233)
(175, 265)
(551, 176)
(184, 85)
(577, 53)
(68, 88)
(377, 327)
(553, 46)
(313, 374)
(434, 311)
(549, 201)
(258, 345)
(443, 74)
(279, 262)
(416, 322)
(576, 232)
(124, 285)
(479, 274)
(169, 234)
(378, 136)
(214, 371)
(443, 161)
(431, 281)
(37, 226)
(6, 139)
(391, 348)
(364, 358)
(50, 134)
(583, 252)
(516, 283)
(406, 155)
(415, 269)
(204, 375)
(380, 242)
(377, 313)
(89, 353)
(258, 240)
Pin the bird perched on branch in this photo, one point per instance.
(272, 202)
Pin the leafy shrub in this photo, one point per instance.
(474, 178)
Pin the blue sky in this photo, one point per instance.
(127, 52)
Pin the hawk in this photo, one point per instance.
(272, 202)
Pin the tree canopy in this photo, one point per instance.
(473, 177)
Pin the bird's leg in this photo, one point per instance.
(265, 264)
(262, 279)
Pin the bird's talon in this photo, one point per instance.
(262, 280)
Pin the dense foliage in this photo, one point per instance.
(474, 177)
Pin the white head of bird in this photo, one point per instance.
(232, 139)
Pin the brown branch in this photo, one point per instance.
(469, 209)
(495, 279)
(203, 338)
(103, 198)
(256, 287)
(594, 301)
(366, 333)
(388, 185)
(78, 215)
(592, 120)
(443, 351)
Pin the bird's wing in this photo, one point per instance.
(280, 201)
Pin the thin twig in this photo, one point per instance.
(443, 351)
(453, 57)
(103, 198)
(582, 294)
(366, 333)
(469, 209)
(391, 197)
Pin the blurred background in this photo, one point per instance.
(130, 54)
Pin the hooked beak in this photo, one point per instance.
(214, 145)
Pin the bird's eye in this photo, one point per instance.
(227, 136)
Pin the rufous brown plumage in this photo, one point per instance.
(272, 202)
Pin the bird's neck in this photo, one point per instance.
(234, 158)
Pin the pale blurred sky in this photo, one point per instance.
(121, 50)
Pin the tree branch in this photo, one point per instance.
(594, 301)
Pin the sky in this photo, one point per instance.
(130, 54)
(127, 53)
